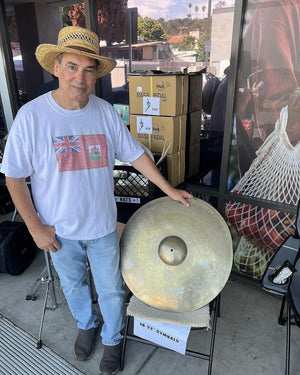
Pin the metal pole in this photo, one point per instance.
(130, 41)
(209, 9)
(50, 277)
(8, 81)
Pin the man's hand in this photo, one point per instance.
(147, 168)
(181, 196)
(44, 237)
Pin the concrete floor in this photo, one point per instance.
(248, 340)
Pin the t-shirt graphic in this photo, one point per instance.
(77, 152)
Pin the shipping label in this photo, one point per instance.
(151, 106)
(144, 125)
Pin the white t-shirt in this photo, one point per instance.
(69, 156)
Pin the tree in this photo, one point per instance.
(185, 25)
(173, 26)
(65, 15)
(196, 10)
(203, 9)
(190, 10)
(220, 4)
(77, 15)
(200, 48)
(188, 43)
(111, 17)
(12, 28)
(150, 29)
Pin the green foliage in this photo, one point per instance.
(200, 49)
(188, 43)
(173, 26)
(65, 15)
(183, 25)
(111, 16)
(12, 28)
(12, 24)
(151, 30)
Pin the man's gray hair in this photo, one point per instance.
(58, 58)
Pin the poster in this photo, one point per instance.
(265, 152)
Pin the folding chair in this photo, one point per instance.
(282, 278)
(214, 309)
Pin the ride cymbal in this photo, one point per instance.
(176, 258)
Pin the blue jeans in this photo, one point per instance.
(104, 259)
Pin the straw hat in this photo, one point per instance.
(73, 39)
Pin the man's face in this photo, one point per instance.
(77, 78)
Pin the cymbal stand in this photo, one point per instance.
(39, 343)
(46, 274)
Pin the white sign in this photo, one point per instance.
(170, 336)
(128, 200)
(151, 106)
(144, 124)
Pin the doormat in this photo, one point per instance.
(19, 355)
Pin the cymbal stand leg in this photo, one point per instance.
(50, 277)
(14, 215)
(39, 343)
(31, 295)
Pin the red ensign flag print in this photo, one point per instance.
(78, 152)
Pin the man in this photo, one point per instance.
(66, 141)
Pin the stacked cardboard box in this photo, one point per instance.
(158, 107)
(194, 117)
(165, 112)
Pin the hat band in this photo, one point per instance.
(82, 49)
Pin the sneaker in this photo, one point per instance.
(85, 343)
(110, 362)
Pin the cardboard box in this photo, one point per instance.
(192, 164)
(195, 92)
(158, 95)
(193, 128)
(176, 168)
(155, 132)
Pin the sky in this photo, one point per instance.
(169, 9)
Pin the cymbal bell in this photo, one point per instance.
(176, 258)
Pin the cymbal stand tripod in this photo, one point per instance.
(47, 277)
(45, 274)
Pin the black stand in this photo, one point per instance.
(214, 308)
(286, 257)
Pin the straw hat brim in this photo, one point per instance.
(47, 53)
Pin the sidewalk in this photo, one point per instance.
(248, 340)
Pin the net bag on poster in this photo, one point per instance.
(273, 175)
